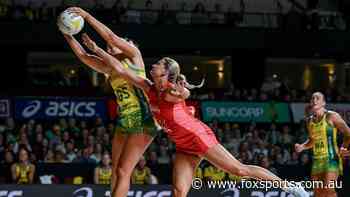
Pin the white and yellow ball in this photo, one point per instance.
(70, 23)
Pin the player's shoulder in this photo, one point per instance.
(333, 115)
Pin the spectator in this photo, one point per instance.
(260, 148)
(265, 163)
(273, 136)
(39, 129)
(10, 125)
(63, 124)
(8, 162)
(8, 158)
(73, 128)
(90, 141)
(38, 147)
(198, 173)
(103, 172)
(141, 174)
(164, 156)
(228, 94)
(54, 136)
(50, 157)
(23, 142)
(98, 151)
(59, 157)
(110, 128)
(82, 125)
(269, 85)
(305, 165)
(85, 158)
(213, 173)
(245, 152)
(100, 131)
(286, 138)
(152, 162)
(70, 153)
(106, 142)
(65, 137)
(23, 171)
(294, 160)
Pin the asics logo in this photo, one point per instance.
(83, 192)
(31, 109)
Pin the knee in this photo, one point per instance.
(123, 172)
(179, 190)
(241, 170)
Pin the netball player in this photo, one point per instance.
(136, 126)
(323, 126)
(194, 140)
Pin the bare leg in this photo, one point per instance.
(221, 158)
(330, 180)
(134, 148)
(183, 173)
(118, 143)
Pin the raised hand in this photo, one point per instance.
(344, 152)
(299, 148)
(89, 43)
(78, 11)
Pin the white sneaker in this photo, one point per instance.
(297, 190)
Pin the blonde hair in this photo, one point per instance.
(174, 74)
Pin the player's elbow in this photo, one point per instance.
(135, 52)
(119, 70)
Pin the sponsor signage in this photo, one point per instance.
(245, 111)
(135, 191)
(342, 108)
(50, 108)
(5, 108)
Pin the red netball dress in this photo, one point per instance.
(189, 134)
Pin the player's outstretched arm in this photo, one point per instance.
(127, 74)
(107, 34)
(93, 61)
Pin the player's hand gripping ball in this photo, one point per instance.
(70, 23)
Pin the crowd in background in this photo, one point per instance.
(87, 141)
(291, 15)
(68, 141)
